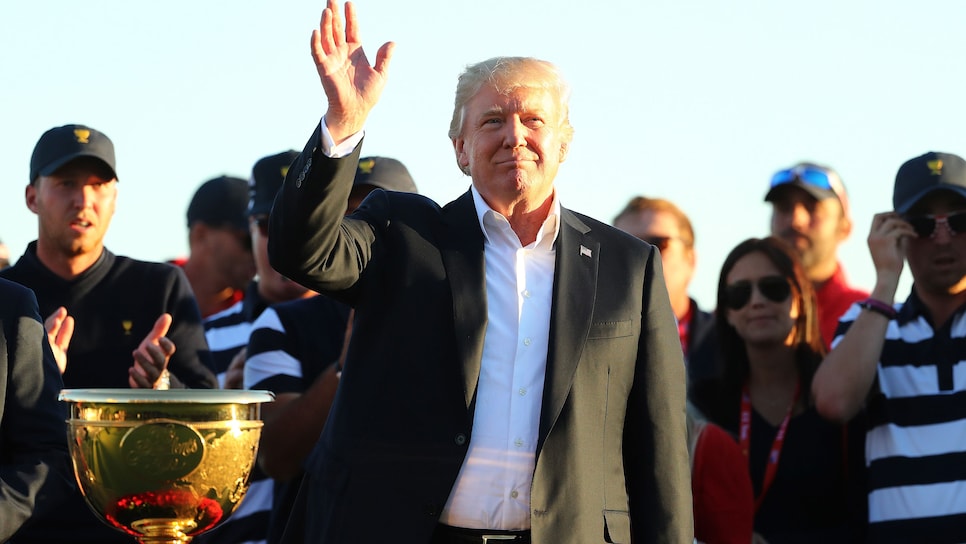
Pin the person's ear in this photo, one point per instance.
(30, 196)
(462, 155)
(844, 227)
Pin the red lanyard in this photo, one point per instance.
(776, 446)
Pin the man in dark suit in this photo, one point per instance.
(35, 466)
(514, 372)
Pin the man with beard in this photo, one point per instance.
(810, 211)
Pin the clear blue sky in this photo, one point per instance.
(698, 101)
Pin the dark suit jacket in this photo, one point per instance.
(35, 471)
(611, 459)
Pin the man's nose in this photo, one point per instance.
(515, 132)
(84, 196)
(801, 217)
(943, 233)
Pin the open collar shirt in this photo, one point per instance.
(492, 490)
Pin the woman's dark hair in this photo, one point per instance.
(807, 338)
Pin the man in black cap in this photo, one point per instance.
(220, 263)
(228, 333)
(112, 321)
(810, 211)
(904, 362)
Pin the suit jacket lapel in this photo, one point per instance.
(461, 247)
(574, 292)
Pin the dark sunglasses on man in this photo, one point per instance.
(661, 242)
(926, 225)
(774, 288)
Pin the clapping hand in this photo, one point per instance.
(151, 357)
(60, 329)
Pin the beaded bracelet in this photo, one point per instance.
(878, 307)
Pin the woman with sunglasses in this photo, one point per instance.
(806, 472)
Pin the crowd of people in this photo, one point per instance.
(501, 367)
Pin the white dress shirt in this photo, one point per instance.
(492, 490)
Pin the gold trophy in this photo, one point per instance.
(163, 466)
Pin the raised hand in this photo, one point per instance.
(151, 357)
(60, 329)
(887, 241)
(352, 86)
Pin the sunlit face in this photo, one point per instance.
(512, 145)
(677, 256)
(938, 262)
(74, 208)
(815, 228)
(761, 321)
(272, 286)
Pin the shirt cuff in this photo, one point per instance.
(333, 151)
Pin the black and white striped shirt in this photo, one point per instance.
(916, 442)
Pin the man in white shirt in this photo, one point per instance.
(514, 371)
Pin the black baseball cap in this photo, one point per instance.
(384, 173)
(267, 177)
(922, 175)
(221, 201)
(58, 146)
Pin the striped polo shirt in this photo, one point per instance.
(916, 442)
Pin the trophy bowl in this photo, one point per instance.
(163, 465)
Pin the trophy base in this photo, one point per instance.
(163, 531)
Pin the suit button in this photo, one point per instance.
(432, 510)
(460, 439)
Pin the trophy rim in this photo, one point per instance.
(179, 396)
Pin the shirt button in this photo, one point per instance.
(518, 442)
(526, 293)
(460, 439)
(514, 494)
(526, 341)
(523, 391)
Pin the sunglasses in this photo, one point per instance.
(661, 242)
(774, 288)
(812, 176)
(261, 222)
(926, 225)
(815, 177)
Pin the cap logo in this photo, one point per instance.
(82, 135)
(366, 166)
(284, 171)
(935, 167)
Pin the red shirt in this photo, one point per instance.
(721, 490)
(834, 299)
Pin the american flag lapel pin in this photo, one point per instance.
(585, 251)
